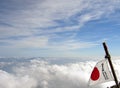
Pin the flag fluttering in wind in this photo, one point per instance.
(100, 73)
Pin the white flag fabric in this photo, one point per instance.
(100, 73)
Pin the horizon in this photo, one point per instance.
(64, 28)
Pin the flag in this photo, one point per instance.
(100, 73)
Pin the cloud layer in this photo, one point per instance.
(41, 74)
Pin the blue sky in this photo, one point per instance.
(59, 28)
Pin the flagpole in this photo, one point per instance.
(110, 63)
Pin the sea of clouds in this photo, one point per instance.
(49, 73)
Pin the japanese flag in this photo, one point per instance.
(100, 73)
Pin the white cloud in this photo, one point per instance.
(42, 14)
(29, 18)
(27, 42)
(72, 45)
(40, 74)
(12, 81)
(68, 43)
(38, 42)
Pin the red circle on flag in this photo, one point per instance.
(95, 74)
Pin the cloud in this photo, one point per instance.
(41, 74)
(52, 20)
(45, 42)
(42, 14)
(26, 42)
(12, 81)
(72, 45)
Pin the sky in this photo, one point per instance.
(59, 28)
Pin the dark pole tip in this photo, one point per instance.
(106, 49)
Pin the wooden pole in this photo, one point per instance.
(110, 63)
